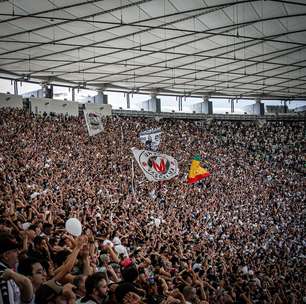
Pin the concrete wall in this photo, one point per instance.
(250, 109)
(11, 101)
(197, 107)
(145, 105)
(104, 109)
(101, 99)
(255, 109)
(41, 105)
(151, 105)
(205, 107)
(97, 99)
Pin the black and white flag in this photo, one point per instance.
(150, 138)
(93, 122)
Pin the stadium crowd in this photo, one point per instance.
(235, 237)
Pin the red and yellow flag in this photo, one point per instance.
(196, 172)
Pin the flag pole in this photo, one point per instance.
(133, 175)
(121, 133)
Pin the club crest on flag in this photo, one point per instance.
(156, 166)
(160, 165)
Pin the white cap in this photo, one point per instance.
(116, 241)
(120, 249)
(106, 242)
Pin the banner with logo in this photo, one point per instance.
(155, 166)
(150, 138)
(93, 122)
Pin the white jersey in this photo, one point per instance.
(9, 291)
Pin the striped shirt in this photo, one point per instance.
(9, 290)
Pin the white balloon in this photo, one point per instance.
(157, 222)
(74, 226)
(245, 269)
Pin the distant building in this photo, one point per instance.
(277, 109)
(300, 109)
(255, 109)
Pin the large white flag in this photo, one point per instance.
(151, 138)
(93, 122)
(156, 166)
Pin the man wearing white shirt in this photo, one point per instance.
(120, 249)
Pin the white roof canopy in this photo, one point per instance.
(251, 49)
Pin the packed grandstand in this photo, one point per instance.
(106, 201)
(235, 236)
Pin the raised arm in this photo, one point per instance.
(25, 285)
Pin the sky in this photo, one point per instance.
(117, 100)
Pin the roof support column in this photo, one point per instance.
(207, 106)
(101, 98)
(285, 106)
(128, 103)
(180, 103)
(232, 105)
(73, 94)
(47, 90)
(259, 107)
(154, 103)
(15, 87)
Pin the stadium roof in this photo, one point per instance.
(253, 49)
